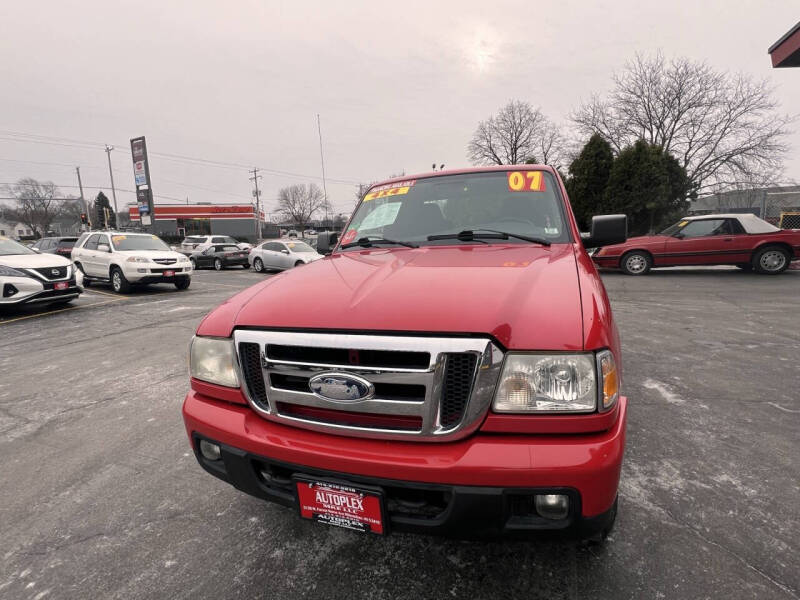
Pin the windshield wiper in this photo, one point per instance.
(470, 235)
(366, 242)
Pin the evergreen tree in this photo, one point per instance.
(648, 185)
(101, 204)
(588, 177)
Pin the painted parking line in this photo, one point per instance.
(59, 310)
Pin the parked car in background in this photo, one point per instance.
(127, 259)
(201, 242)
(292, 233)
(28, 277)
(219, 257)
(743, 240)
(281, 255)
(55, 245)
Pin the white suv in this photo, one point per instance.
(201, 242)
(125, 259)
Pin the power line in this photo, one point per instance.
(69, 142)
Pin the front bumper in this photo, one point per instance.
(478, 487)
(33, 291)
(151, 274)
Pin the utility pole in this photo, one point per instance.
(111, 174)
(322, 160)
(83, 200)
(257, 194)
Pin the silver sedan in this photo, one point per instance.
(278, 255)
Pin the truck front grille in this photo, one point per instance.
(459, 372)
(425, 388)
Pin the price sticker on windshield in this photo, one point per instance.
(392, 189)
(525, 181)
(118, 238)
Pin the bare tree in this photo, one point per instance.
(36, 204)
(299, 203)
(516, 134)
(722, 128)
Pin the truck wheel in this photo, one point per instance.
(118, 282)
(218, 264)
(771, 260)
(183, 282)
(258, 265)
(600, 536)
(635, 263)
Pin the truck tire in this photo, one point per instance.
(600, 536)
(635, 262)
(217, 264)
(258, 265)
(118, 282)
(771, 260)
(183, 283)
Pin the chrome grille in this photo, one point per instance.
(165, 261)
(425, 388)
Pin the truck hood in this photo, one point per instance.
(525, 296)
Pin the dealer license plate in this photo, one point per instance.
(61, 285)
(341, 505)
(169, 273)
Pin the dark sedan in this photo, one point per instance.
(219, 257)
(56, 245)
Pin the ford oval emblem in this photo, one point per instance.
(341, 387)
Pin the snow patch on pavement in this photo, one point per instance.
(664, 391)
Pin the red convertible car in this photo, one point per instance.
(743, 240)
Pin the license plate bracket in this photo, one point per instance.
(60, 285)
(169, 273)
(341, 504)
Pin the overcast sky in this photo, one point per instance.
(398, 85)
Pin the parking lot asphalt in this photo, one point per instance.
(101, 496)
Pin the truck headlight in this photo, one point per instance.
(137, 259)
(547, 383)
(212, 360)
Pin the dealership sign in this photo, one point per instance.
(141, 176)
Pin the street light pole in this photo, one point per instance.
(257, 193)
(83, 200)
(111, 174)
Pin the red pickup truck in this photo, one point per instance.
(451, 367)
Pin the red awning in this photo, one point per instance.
(786, 51)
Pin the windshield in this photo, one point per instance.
(9, 247)
(674, 228)
(519, 202)
(138, 242)
(299, 247)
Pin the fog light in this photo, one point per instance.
(141, 270)
(209, 450)
(552, 506)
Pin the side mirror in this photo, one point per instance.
(284, 251)
(326, 241)
(606, 230)
(103, 248)
(679, 236)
